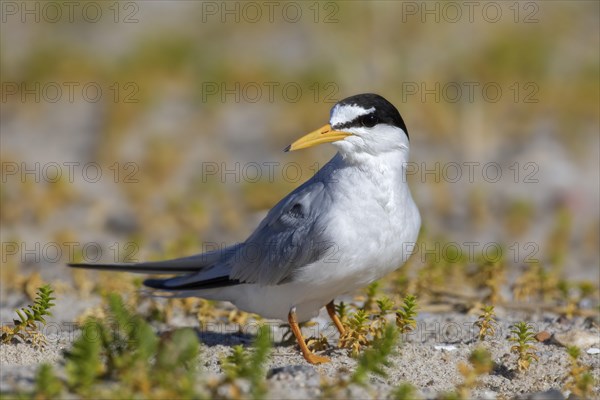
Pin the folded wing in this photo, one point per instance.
(289, 238)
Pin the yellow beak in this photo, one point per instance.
(322, 135)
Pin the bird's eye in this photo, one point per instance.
(369, 120)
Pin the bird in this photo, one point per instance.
(350, 224)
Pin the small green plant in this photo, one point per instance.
(564, 287)
(372, 361)
(405, 391)
(405, 316)
(385, 306)
(242, 364)
(356, 334)
(537, 283)
(174, 369)
(124, 349)
(375, 358)
(486, 322)
(47, 385)
(493, 275)
(84, 365)
(372, 291)
(237, 364)
(480, 363)
(580, 381)
(26, 327)
(586, 289)
(523, 336)
(364, 326)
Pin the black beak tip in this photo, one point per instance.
(287, 148)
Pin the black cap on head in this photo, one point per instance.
(385, 112)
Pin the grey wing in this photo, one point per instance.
(289, 238)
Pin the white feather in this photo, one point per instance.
(346, 113)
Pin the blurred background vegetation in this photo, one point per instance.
(179, 94)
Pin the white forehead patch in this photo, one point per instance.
(346, 113)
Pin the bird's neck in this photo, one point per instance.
(392, 164)
(381, 178)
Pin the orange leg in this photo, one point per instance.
(309, 356)
(331, 311)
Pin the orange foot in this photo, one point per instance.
(313, 358)
(309, 356)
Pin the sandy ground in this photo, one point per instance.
(427, 358)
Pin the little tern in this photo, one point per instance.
(352, 223)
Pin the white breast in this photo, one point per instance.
(371, 227)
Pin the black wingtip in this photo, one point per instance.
(288, 147)
(93, 266)
(155, 283)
